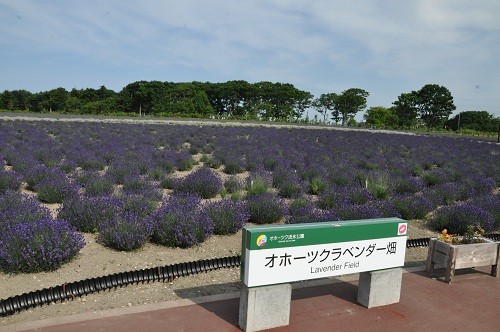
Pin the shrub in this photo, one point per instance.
(42, 245)
(265, 208)
(180, 222)
(9, 180)
(412, 207)
(491, 204)
(119, 171)
(357, 211)
(140, 204)
(303, 210)
(330, 199)
(407, 185)
(480, 184)
(448, 193)
(89, 161)
(316, 185)
(456, 218)
(98, 185)
(181, 160)
(55, 190)
(17, 208)
(171, 182)
(258, 182)
(290, 189)
(228, 216)
(203, 182)
(233, 184)
(86, 213)
(156, 173)
(233, 165)
(213, 162)
(127, 231)
(38, 174)
(435, 176)
(386, 208)
(357, 195)
(378, 186)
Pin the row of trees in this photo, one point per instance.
(430, 106)
(233, 99)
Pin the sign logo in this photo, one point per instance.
(402, 228)
(261, 240)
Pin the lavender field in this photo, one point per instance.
(176, 185)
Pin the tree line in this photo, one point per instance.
(430, 106)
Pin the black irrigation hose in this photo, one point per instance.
(493, 236)
(71, 290)
(66, 291)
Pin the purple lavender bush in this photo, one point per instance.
(447, 193)
(265, 208)
(203, 182)
(356, 211)
(17, 208)
(386, 208)
(480, 184)
(233, 184)
(55, 190)
(181, 160)
(228, 215)
(86, 213)
(126, 231)
(259, 182)
(412, 207)
(42, 245)
(303, 210)
(456, 218)
(170, 182)
(491, 204)
(141, 204)
(180, 222)
(119, 171)
(98, 185)
(40, 173)
(407, 185)
(9, 180)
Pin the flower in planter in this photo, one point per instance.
(472, 235)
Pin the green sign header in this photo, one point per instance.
(281, 236)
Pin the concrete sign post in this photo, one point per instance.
(280, 254)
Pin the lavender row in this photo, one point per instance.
(110, 179)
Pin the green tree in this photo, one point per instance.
(15, 100)
(350, 102)
(406, 109)
(324, 104)
(381, 117)
(435, 105)
(473, 120)
(54, 100)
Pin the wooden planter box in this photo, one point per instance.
(461, 256)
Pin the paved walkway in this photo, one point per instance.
(470, 303)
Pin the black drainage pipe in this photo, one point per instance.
(71, 290)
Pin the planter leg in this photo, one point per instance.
(450, 265)
(429, 265)
(495, 269)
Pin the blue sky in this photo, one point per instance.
(385, 47)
